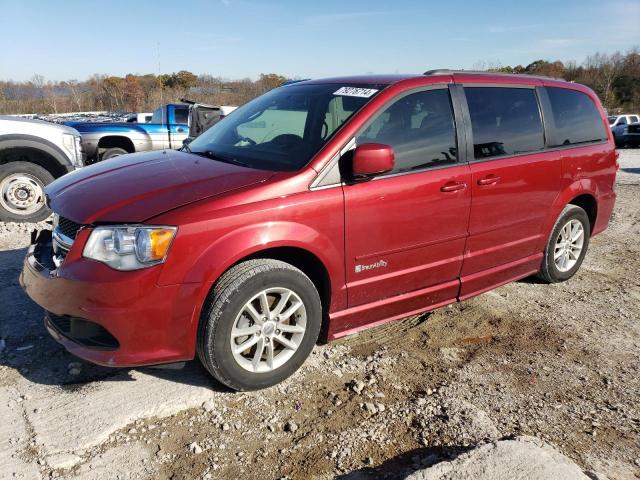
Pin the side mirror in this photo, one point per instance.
(372, 159)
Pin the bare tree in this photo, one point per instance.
(73, 87)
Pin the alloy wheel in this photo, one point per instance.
(268, 330)
(569, 245)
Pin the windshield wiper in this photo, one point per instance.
(220, 158)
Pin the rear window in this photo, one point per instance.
(576, 118)
(504, 121)
(158, 115)
(181, 115)
(634, 119)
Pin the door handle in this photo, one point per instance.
(179, 130)
(489, 180)
(453, 186)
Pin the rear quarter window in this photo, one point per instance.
(181, 115)
(576, 118)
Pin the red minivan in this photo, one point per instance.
(322, 206)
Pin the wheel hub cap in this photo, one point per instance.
(268, 329)
(21, 194)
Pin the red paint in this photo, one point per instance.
(444, 234)
(372, 159)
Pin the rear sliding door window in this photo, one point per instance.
(576, 118)
(420, 129)
(504, 121)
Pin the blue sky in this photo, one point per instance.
(69, 39)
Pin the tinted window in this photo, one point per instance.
(420, 129)
(623, 121)
(633, 119)
(504, 121)
(612, 120)
(181, 115)
(576, 117)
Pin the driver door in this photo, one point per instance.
(405, 231)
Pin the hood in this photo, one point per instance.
(134, 188)
(37, 125)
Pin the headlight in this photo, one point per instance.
(129, 247)
(72, 144)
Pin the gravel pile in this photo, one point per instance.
(18, 235)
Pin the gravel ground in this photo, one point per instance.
(555, 362)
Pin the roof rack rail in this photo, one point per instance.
(443, 71)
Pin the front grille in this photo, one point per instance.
(68, 227)
(84, 332)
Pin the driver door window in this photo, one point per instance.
(420, 129)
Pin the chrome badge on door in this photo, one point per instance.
(371, 266)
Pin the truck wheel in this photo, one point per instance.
(260, 322)
(567, 245)
(22, 196)
(113, 152)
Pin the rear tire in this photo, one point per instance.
(22, 197)
(276, 342)
(113, 152)
(567, 245)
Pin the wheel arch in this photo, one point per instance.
(296, 244)
(582, 193)
(589, 204)
(34, 150)
(117, 141)
(310, 265)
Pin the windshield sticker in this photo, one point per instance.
(355, 92)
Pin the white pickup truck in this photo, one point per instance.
(32, 154)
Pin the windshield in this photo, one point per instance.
(284, 128)
(612, 120)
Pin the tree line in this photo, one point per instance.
(131, 93)
(614, 77)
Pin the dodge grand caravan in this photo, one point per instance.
(319, 209)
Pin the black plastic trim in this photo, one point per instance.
(463, 123)
(547, 117)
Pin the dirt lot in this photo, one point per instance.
(559, 362)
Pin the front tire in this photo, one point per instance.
(567, 245)
(22, 197)
(259, 324)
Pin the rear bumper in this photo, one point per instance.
(151, 324)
